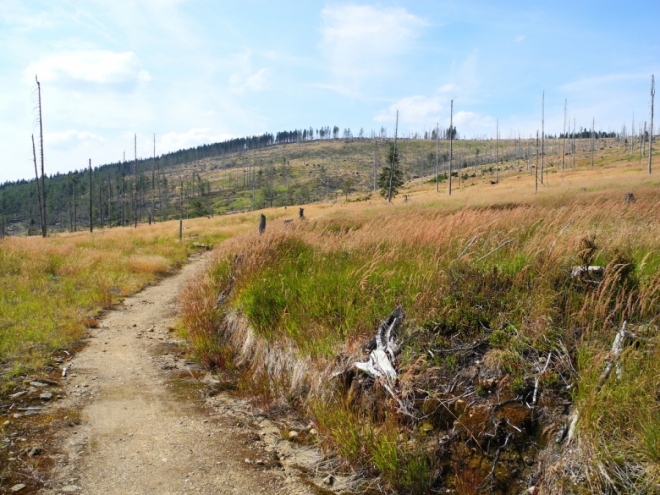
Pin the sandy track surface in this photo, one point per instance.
(144, 427)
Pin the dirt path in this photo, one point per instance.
(144, 428)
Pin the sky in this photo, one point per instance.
(196, 71)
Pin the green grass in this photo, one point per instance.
(52, 289)
(322, 287)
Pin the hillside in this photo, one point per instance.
(254, 173)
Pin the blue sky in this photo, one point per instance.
(194, 71)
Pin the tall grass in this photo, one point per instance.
(487, 285)
(52, 288)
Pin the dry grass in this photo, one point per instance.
(52, 289)
(489, 264)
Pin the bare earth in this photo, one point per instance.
(145, 427)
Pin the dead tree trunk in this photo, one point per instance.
(43, 175)
(396, 130)
(91, 218)
(497, 152)
(563, 151)
(36, 174)
(181, 211)
(451, 141)
(153, 185)
(262, 224)
(651, 132)
(593, 141)
(536, 179)
(542, 135)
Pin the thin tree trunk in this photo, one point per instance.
(153, 185)
(123, 197)
(451, 141)
(651, 133)
(437, 170)
(593, 144)
(75, 212)
(43, 175)
(542, 135)
(536, 181)
(36, 174)
(181, 212)
(396, 130)
(632, 136)
(91, 218)
(497, 151)
(563, 151)
(574, 142)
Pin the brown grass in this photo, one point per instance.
(325, 283)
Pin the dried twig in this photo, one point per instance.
(467, 247)
(496, 249)
(559, 235)
(538, 378)
(617, 349)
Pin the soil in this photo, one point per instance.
(142, 419)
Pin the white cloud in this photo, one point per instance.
(239, 84)
(590, 84)
(361, 41)
(173, 141)
(245, 79)
(71, 138)
(469, 123)
(90, 68)
(416, 110)
(421, 112)
(519, 38)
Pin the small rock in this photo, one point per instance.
(17, 488)
(38, 384)
(248, 461)
(293, 434)
(134, 325)
(260, 462)
(329, 480)
(70, 488)
(46, 396)
(313, 432)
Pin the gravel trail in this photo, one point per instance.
(144, 427)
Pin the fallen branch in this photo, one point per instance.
(573, 424)
(558, 236)
(496, 249)
(617, 349)
(538, 378)
(466, 247)
(580, 271)
(383, 347)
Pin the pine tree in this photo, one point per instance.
(396, 174)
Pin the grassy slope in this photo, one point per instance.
(318, 290)
(50, 289)
(323, 170)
